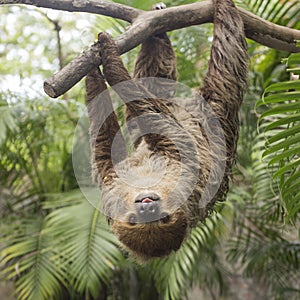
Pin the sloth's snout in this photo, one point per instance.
(147, 210)
(147, 205)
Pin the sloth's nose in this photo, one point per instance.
(148, 210)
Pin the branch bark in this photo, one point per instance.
(144, 24)
(101, 7)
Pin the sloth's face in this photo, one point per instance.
(147, 204)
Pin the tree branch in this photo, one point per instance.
(144, 24)
(101, 7)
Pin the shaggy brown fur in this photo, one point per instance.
(184, 149)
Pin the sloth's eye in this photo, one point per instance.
(132, 220)
(164, 218)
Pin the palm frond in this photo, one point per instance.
(263, 253)
(28, 259)
(90, 251)
(281, 123)
(72, 247)
(196, 262)
(285, 12)
(261, 245)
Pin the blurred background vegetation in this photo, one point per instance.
(55, 245)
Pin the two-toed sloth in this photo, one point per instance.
(183, 150)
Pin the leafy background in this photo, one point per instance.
(55, 245)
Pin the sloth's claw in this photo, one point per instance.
(158, 6)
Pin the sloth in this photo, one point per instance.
(182, 149)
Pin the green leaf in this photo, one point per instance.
(286, 154)
(284, 108)
(283, 121)
(283, 86)
(287, 167)
(294, 58)
(284, 134)
(290, 141)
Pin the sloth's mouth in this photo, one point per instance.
(146, 198)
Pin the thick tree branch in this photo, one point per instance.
(101, 7)
(144, 24)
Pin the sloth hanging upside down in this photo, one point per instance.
(183, 149)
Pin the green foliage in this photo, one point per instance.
(263, 244)
(266, 67)
(89, 250)
(36, 149)
(7, 121)
(29, 252)
(195, 263)
(281, 122)
(192, 51)
(284, 13)
(71, 248)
